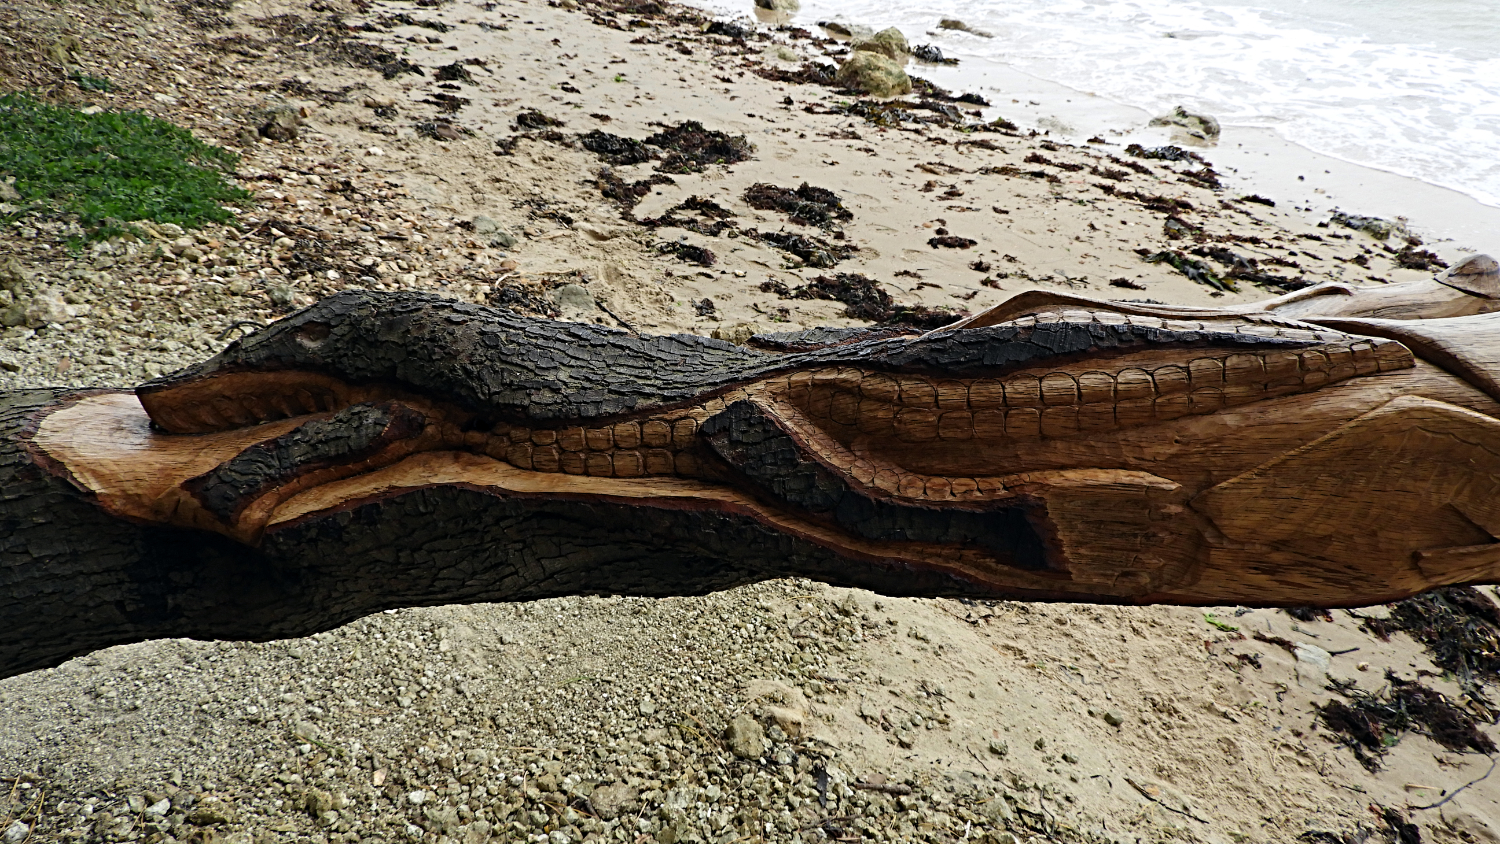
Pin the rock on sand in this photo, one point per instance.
(1197, 126)
(887, 42)
(959, 26)
(874, 74)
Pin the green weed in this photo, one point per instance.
(1220, 625)
(113, 166)
(91, 83)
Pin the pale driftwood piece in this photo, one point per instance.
(384, 450)
(1469, 287)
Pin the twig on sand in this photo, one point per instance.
(1455, 791)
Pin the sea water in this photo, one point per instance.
(1410, 87)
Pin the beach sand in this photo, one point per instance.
(893, 719)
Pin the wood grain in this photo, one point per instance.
(381, 450)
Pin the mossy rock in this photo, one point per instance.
(874, 74)
(887, 42)
(1192, 125)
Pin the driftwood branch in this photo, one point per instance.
(1338, 446)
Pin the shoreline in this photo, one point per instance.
(1259, 158)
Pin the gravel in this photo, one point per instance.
(422, 725)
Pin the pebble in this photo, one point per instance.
(609, 801)
(281, 295)
(572, 299)
(15, 833)
(746, 737)
(1312, 664)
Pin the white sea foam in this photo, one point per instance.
(1408, 87)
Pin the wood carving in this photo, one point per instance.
(1336, 446)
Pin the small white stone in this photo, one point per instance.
(417, 798)
(374, 151)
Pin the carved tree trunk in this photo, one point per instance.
(387, 450)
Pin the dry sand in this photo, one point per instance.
(882, 719)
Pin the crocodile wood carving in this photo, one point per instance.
(1336, 446)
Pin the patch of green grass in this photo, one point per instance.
(113, 166)
(91, 83)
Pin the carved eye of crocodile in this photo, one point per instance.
(1062, 451)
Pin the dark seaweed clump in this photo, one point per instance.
(865, 300)
(950, 241)
(930, 54)
(330, 37)
(1152, 202)
(805, 206)
(1204, 176)
(1412, 258)
(692, 148)
(1241, 268)
(1192, 268)
(930, 111)
(441, 130)
(885, 113)
(729, 29)
(404, 19)
(687, 252)
(630, 15)
(1460, 627)
(615, 149)
(1238, 267)
(1373, 723)
(455, 72)
(814, 251)
(1038, 158)
(810, 73)
(524, 299)
(533, 119)
(1166, 153)
(1458, 624)
(447, 103)
(627, 194)
(712, 218)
